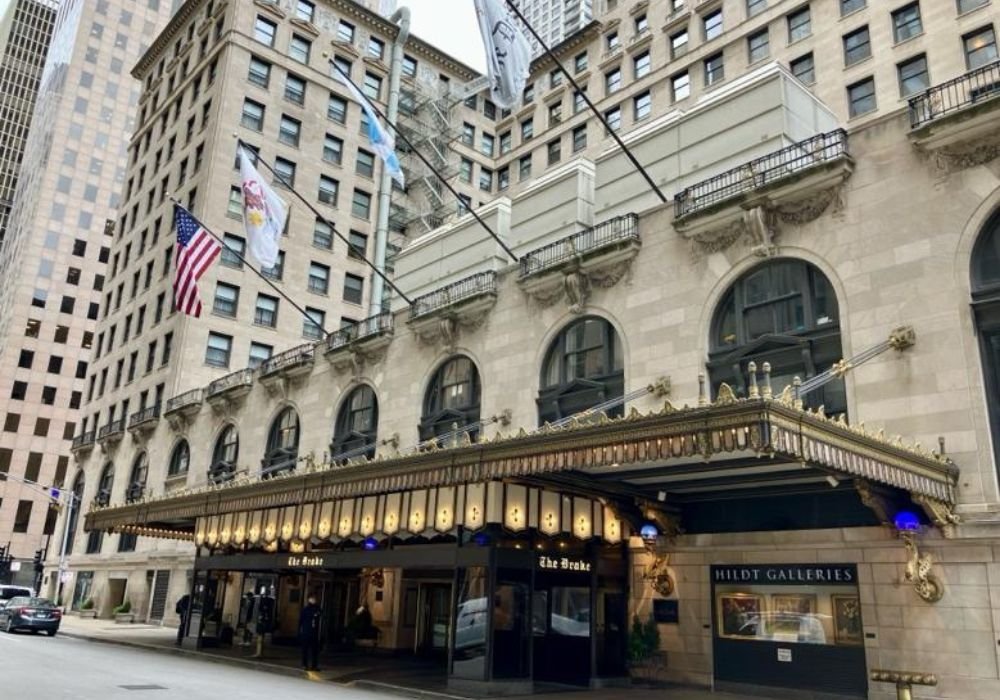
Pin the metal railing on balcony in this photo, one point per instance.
(967, 90)
(603, 235)
(102, 498)
(135, 492)
(146, 415)
(85, 439)
(472, 286)
(789, 161)
(193, 397)
(113, 428)
(300, 355)
(373, 325)
(240, 378)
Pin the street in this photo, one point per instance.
(62, 667)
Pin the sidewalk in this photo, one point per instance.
(386, 675)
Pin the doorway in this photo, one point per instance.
(434, 623)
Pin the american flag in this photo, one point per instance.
(196, 249)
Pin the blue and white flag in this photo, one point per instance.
(508, 53)
(382, 141)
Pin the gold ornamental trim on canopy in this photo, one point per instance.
(767, 427)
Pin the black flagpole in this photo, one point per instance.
(583, 94)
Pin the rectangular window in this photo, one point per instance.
(376, 47)
(218, 350)
(264, 31)
(353, 288)
(527, 129)
(485, 179)
(409, 66)
(555, 114)
(755, 7)
(358, 245)
(345, 32)
(759, 46)
(799, 25)
(611, 41)
(361, 204)
(980, 47)
(679, 44)
(613, 117)
(465, 170)
(506, 143)
(906, 22)
(969, 5)
(289, 131)
(233, 245)
(42, 427)
(336, 109)
(554, 151)
(524, 167)
(319, 278)
(260, 72)
(580, 62)
(259, 354)
(227, 299)
(333, 149)
(857, 46)
(913, 76)
(804, 69)
(284, 173)
(266, 311)
(487, 143)
(278, 271)
(328, 189)
(364, 164)
(19, 390)
(299, 48)
(849, 6)
(22, 518)
(555, 78)
(322, 234)
(681, 86)
(613, 81)
(715, 69)
(372, 86)
(312, 327)
(861, 97)
(253, 115)
(712, 24)
(304, 10)
(503, 178)
(641, 65)
(468, 134)
(579, 138)
(168, 343)
(641, 23)
(295, 89)
(11, 423)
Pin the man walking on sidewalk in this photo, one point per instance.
(309, 624)
(182, 611)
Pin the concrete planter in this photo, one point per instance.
(92, 613)
(124, 618)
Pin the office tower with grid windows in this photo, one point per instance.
(554, 20)
(25, 32)
(58, 240)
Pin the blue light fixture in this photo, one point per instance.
(907, 521)
(481, 539)
(370, 544)
(649, 532)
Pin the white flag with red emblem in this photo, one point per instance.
(263, 214)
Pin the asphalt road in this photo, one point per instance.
(62, 668)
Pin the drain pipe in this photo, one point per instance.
(402, 18)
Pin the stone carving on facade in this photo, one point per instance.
(873, 501)
(951, 159)
(918, 571)
(446, 330)
(355, 360)
(811, 208)
(574, 285)
(178, 422)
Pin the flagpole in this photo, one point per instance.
(319, 215)
(593, 108)
(426, 162)
(254, 269)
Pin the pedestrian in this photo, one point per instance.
(182, 607)
(247, 606)
(309, 623)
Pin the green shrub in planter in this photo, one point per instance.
(643, 640)
(122, 609)
(88, 604)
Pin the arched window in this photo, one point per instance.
(357, 425)
(104, 486)
(224, 456)
(180, 459)
(74, 513)
(282, 444)
(452, 399)
(986, 303)
(582, 368)
(783, 312)
(137, 479)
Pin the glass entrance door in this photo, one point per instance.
(436, 618)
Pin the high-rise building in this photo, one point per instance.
(25, 32)
(555, 20)
(58, 241)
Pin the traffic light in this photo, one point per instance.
(39, 566)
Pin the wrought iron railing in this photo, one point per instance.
(967, 90)
(604, 234)
(373, 325)
(472, 286)
(102, 498)
(84, 439)
(303, 354)
(135, 492)
(113, 428)
(144, 416)
(760, 172)
(221, 472)
(243, 377)
(193, 397)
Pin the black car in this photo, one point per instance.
(35, 614)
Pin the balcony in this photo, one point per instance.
(793, 185)
(233, 386)
(111, 433)
(287, 365)
(461, 293)
(958, 119)
(135, 492)
(144, 421)
(186, 404)
(84, 442)
(363, 339)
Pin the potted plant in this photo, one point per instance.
(646, 661)
(87, 608)
(123, 613)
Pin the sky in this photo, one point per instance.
(450, 25)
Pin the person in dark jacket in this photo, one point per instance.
(309, 627)
(182, 607)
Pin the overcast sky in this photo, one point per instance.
(450, 25)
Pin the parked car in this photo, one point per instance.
(35, 614)
(8, 592)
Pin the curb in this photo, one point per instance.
(403, 691)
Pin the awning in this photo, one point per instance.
(669, 439)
